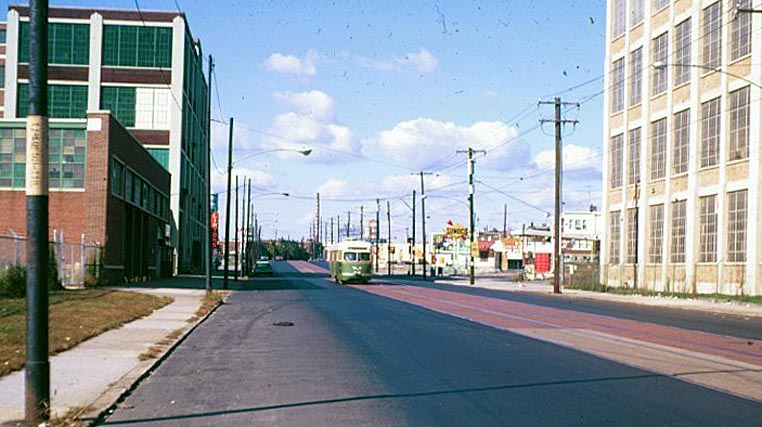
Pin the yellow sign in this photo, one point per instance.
(456, 231)
(475, 251)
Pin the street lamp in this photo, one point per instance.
(661, 65)
(304, 152)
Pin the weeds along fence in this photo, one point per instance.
(76, 263)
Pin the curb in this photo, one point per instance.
(129, 388)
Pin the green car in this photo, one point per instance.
(263, 268)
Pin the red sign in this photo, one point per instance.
(215, 225)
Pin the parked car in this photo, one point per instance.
(263, 268)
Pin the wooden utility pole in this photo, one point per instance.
(362, 227)
(413, 257)
(227, 210)
(208, 172)
(378, 230)
(235, 239)
(389, 239)
(471, 222)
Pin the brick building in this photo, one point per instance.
(105, 189)
(146, 68)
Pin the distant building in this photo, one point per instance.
(682, 141)
(147, 70)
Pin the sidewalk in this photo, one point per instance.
(497, 282)
(94, 374)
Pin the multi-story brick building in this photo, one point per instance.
(682, 136)
(146, 68)
(105, 189)
(2, 68)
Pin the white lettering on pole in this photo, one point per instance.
(36, 156)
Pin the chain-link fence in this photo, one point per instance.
(76, 264)
(582, 275)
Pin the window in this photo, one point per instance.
(64, 101)
(740, 32)
(12, 157)
(617, 86)
(682, 52)
(658, 149)
(67, 158)
(737, 226)
(615, 167)
(738, 142)
(68, 44)
(117, 178)
(2, 75)
(636, 12)
(152, 108)
(659, 53)
(656, 234)
(161, 155)
(614, 235)
(350, 256)
(636, 76)
(681, 140)
(710, 133)
(631, 255)
(2, 36)
(708, 229)
(137, 46)
(659, 4)
(619, 12)
(678, 231)
(633, 157)
(713, 35)
(120, 100)
(128, 185)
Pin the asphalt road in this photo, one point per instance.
(351, 358)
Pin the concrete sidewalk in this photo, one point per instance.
(92, 375)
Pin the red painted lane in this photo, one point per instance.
(307, 267)
(516, 315)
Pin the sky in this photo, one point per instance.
(380, 90)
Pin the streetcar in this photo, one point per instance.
(349, 261)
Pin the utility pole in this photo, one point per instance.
(559, 122)
(471, 231)
(256, 236)
(362, 227)
(332, 230)
(413, 257)
(505, 220)
(237, 230)
(338, 228)
(423, 219)
(388, 239)
(37, 378)
(225, 274)
(349, 220)
(247, 227)
(208, 171)
(378, 231)
(316, 228)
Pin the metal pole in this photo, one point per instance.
(423, 225)
(362, 226)
(37, 376)
(389, 239)
(471, 214)
(413, 258)
(349, 220)
(557, 273)
(235, 239)
(505, 220)
(378, 231)
(331, 230)
(227, 210)
(247, 239)
(208, 171)
(338, 228)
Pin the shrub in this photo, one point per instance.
(13, 282)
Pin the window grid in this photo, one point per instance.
(617, 86)
(740, 32)
(677, 252)
(681, 141)
(615, 223)
(120, 100)
(712, 36)
(617, 148)
(656, 235)
(658, 149)
(636, 76)
(137, 46)
(710, 133)
(659, 4)
(117, 178)
(620, 18)
(631, 254)
(64, 101)
(738, 142)
(636, 12)
(708, 229)
(633, 157)
(66, 158)
(68, 44)
(659, 53)
(682, 52)
(737, 205)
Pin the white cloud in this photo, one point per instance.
(577, 158)
(422, 142)
(315, 103)
(303, 67)
(422, 61)
(297, 131)
(259, 178)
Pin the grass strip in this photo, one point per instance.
(596, 287)
(75, 316)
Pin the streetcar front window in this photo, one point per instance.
(364, 256)
(350, 256)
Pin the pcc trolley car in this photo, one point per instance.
(349, 261)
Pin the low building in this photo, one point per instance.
(106, 190)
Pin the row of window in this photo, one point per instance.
(64, 101)
(681, 60)
(637, 13)
(133, 189)
(123, 45)
(67, 157)
(709, 135)
(737, 205)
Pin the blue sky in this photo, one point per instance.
(379, 89)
